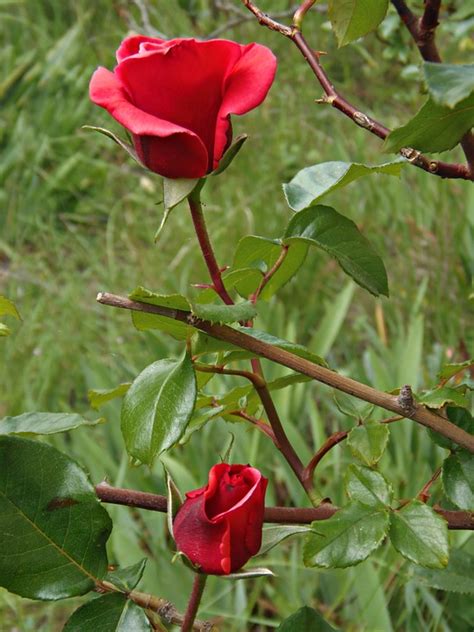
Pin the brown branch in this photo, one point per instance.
(274, 515)
(423, 31)
(422, 415)
(332, 97)
(157, 605)
(266, 20)
(256, 380)
(282, 441)
(242, 17)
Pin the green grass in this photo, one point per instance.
(78, 216)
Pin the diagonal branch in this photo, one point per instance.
(423, 32)
(336, 100)
(275, 515)
(420, 414)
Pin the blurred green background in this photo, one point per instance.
(77, 216)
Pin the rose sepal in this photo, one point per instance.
(179, 555)
(175, 190)
(249, 573)
(174, 500)
(123, 144)
(230, 154)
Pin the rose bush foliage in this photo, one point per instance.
(219, 526)
(176, 97)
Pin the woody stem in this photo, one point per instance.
(194, 601)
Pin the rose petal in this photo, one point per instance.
(202, 541)
(131, 45)
(164, 147)
(245, 88)
(182, 83)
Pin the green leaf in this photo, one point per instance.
(305, 620)
(143, 321)
(250, 573)
(98, 396)
(8, 308)
(351, 19)
(347, 538)
(123, 144)
(109, 613)
(434, 128)
(218, 313)
(230, 154)
(43, 423)
(420, 535)
(53, 529)
(458, 479)
(158, 407)
(368, 486)
(126, 579)
(448, 84)
(325, 228)
(352, 406)
(449, 370)
(292, 347)
(199, 420)
(368, 442)
(458, 576)
(4, 330)
(439, 397)
(459, 416)
(175, 190)
(271, 536)
(312, 183)
(287, 380)
(260, 254)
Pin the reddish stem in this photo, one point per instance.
(206, 248)
(298, 17)
(258, 423)
(194, 601)
(333, 440)
(275, 267)
(424, 494)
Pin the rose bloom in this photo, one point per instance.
(176, 98)
(219, 526)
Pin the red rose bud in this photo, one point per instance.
(219, 526)
(176, 98)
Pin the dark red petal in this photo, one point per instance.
(203, 542)
(182, 83)
(165, 145)
(245, 88)
(176, 156)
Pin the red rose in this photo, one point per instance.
(219, 526)
(176, 98)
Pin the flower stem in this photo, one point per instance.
(194, 601)
(197, 215)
